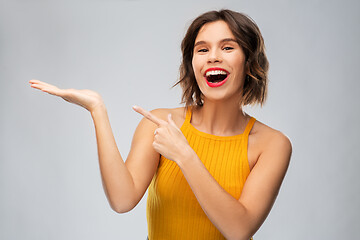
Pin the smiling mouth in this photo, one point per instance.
(216, 76)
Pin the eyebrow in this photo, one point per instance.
(222, 41)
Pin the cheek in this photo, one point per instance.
(193, 62)
(240, 63)
(197, 72)
(196, 67)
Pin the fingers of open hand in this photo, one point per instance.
(40, 83)
(45, 87)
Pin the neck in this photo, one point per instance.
(221, 118)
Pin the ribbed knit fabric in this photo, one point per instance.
(173, 211)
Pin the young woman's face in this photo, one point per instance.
(218, 62)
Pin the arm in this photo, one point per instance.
(124, 184)
(117, 181)
(240, 218)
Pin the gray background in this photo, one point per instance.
(129, 51)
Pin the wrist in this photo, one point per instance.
(98, 109)
(187, 157)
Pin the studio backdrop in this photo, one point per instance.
(129, 52)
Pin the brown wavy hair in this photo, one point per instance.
(248, 36)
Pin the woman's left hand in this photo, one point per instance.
(169, 141)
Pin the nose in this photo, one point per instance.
(214, 56)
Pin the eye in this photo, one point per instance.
(202, 50)
(228, 48)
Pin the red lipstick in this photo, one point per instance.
(216, 84)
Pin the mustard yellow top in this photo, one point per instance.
(173, 211)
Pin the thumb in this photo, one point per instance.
(171, 121)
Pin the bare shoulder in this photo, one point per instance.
(270, 136)
(264, 140)
(177, 114)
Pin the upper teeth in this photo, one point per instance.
(215, 72)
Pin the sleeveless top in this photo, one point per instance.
(173, 211)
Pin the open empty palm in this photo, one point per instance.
(86, 98)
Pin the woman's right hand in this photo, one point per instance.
(88, 99)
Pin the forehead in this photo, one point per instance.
(214, 31)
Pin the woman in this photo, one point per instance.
(213, 171)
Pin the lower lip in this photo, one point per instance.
(217, 84)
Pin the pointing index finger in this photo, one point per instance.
(149, 115)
